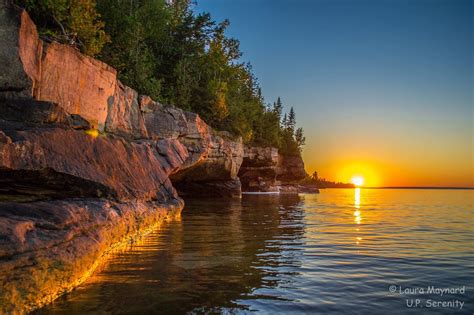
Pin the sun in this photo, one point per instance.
(357, 180)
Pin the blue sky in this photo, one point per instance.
(386, 82)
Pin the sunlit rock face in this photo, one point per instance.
(78, 83)
(88, 88)
(68, 196)
(60, 74)
(124, 117)
(214, 157)
(85, 163)
(49, 247)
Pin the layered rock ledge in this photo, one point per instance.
(265, 170)
(86, 164)
(68, 197)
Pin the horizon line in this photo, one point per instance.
(417, 187)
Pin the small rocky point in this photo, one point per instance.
(87, 164)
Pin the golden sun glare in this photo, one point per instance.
(357, 180)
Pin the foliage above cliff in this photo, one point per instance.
(73, 21)
(176, 56)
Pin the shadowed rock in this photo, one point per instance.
(265, 170)
(259, 169)
(14, 81)
(290, 169)
(213, 158)
(38, 113)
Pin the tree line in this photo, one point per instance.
(315, 180)
(167, 51)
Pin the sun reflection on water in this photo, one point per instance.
(357, 213)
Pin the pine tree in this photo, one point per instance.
(300, 138)
(291, 120)
(278, 107)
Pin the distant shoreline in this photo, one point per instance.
(418, 187)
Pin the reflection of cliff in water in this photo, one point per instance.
(220, 253)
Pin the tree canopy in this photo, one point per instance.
(177, 57)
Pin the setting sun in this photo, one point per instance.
(357, 180)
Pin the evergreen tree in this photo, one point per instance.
(284, 122)
(291, 120)
(300, 138)
(278, 107)
(167, 51)
(69, 21)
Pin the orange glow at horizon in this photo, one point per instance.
(359, 174)
(387, 165)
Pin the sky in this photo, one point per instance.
(382, 88)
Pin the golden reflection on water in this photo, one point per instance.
(357, 213)
(267, 253)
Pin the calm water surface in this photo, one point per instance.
(337, 252)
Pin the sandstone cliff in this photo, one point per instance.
(87, 88)
(265, 170)
(85, 163)
(214, 157)
(259, 169)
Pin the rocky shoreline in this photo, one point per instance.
(86, 163)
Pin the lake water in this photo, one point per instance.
(339, 252)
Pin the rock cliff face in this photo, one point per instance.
(85, 87)
(67, 197)
(259, 169)
(86, 163)
(265, 170)
(214, 158)
(290, 169)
